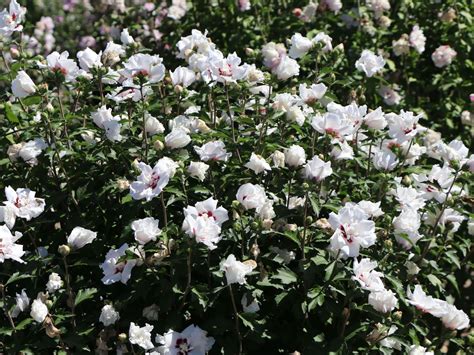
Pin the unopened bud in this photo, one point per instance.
(123, 184)
(249, 51)
(305, 186)
(158, 145)
(388, 243)
(254, 225)
(122, 337)
(407, 180)
(64, 250)
(49, 107)
(178, 89)
(235, 204)
(309, 220)
(397, 315)
(255, 250)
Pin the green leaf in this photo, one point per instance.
(17, 276)
(84, 295)
(9, 113)
(286, 276)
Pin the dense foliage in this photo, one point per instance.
(236, 177)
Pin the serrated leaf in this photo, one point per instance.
(84, 295)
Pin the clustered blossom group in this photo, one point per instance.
(389, 144)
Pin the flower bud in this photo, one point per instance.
(267, 224)
(291, 227)
(309, 220)
(249, 51)
(254, 225)
(388, 243)
(123, 184)
(178, 89)
(407, 180)
(158, 145)
(64, 250)
(255, 250)
(48, 304)
(305, 186)
(397, 315)
(235, 204)
(49, 107)
(122, 337)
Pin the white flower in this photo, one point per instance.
(191, 341)
(22, 85)
(8, 248)
(443, 56)
(214, 150)
(198, 170)
(378, 6)
(419, 350)
(299, 46)
(334, 5)
(151, 182)
(334, 124)
(22, 303)
(177, 138)
(409, 198)
(454, 318)
(425, 303)
(404, 126)
(257, 164)
(80, 237)
(313, 93)
(108, 315)
(272, 54)
(323, 38)
(21, 203)
(60, 63)
(375, 119)
(141, 336)
(365, 275)
(385, 160)
(285, 254)
(54, 283)
(203, 221)
(417, 39)
(369, 63)
(31, 150)
(295, 156)
(39, 311)
(390, 95)
(152, 125)
(112, 53)
(104, 119)
(449, 216)
(383, 301)
(371, 208)
(114, 270)
(317, 169)
(235, 271)
(146, 230)
(287, 68)
(11, 19)
(278, 159)
(182, 76)
(295, 114)
(177, 10)
(146, 65)
(412, 268)
(352, 230)
(125, 37)
(251, 196)
(249, 307)
(88, 59)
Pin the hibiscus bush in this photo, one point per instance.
(236, 177)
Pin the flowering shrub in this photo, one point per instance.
(187, 199)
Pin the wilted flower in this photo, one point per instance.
(443, 56)
(54, 282)
(108, 315)
(39, 311)
(141, 336)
